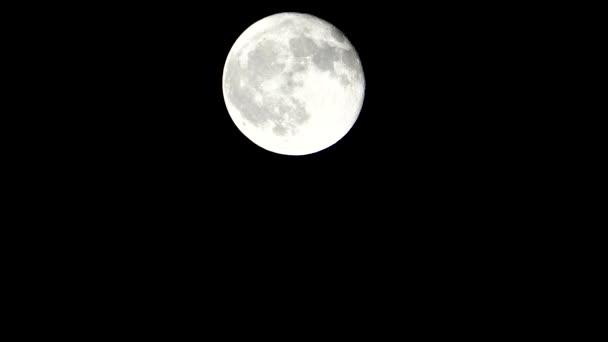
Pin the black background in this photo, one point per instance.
(142, 181)
(141, 207)
(135, 129)
(137, 95)
(132, 127)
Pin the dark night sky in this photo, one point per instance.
(143, 121)
(139, 202)
(140, 177)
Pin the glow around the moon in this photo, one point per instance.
(293, 84)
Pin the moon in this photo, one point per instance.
(293, 84)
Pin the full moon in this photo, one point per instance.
(293, 84)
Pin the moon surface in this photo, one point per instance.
(293, 84)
